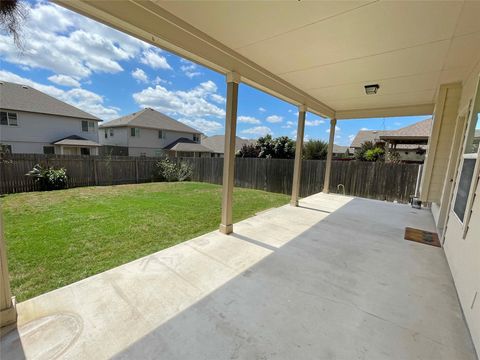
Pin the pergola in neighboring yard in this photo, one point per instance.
(318, 56)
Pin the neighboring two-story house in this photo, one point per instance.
(151, 133)
(35, 123)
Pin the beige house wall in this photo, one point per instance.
(440, 143)
(463, 254)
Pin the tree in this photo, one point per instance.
(374, 154)
(283, 148)
(315, 150)
(370, 151)
(248, 151)
(267, 147)
(12, 14)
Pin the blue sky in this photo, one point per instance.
(110, 74)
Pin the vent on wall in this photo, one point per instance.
(25, 86)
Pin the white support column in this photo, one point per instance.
(297, 167)
(8, 313)
(328, 165)
(233, 79)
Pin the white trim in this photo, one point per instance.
(410, 110)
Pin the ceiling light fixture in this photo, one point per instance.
(371, 89)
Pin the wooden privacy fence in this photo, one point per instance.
(364, 179)
(374, 180)
(81, 170)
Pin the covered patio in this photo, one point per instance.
(328, 276)
(331, 278)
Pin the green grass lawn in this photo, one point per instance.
(59, 237)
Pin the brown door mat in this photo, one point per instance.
(422, 236)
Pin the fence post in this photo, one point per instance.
(136, 170)
(95, 176)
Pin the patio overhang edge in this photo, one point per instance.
(409, 110)
(153, 24)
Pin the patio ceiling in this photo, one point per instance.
(317, 53)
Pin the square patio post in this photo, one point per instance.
(8, 313)
(328, 165)
(297, 167)
(233, 79)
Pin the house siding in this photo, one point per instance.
(463, 254)
(438, 153)
(34, 131)
(147, 143)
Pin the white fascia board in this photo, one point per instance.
(411, 110)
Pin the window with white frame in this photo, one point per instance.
(196, 138)
(111, 132)
(88, 126)
(8, 118)
(468, 172)
(161, 134)
(134, 132)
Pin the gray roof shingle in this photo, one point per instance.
(420, 130)
(25, 98)
(150, 119)
(217, 143)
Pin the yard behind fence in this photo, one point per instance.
(382, 181)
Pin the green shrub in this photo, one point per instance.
(166, 170)
(374, 154)
(315, 150)
(49, 178)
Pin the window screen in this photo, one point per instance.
(464, 187)
(3, 118)
(85, 125)
(48, 150)
(12, 119)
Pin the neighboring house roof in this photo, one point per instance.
(367, 135)
(25, 98)
(151, 119)
(184, 144)
(75, 140)
(419, 131)
(338, 149)
(217, 143)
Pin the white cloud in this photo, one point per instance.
(190, 69)
(66, 43)
(190, 104)
(248, 120)
(205, 126)
(83, 99)
(261, 109)
(337, 128)
(364, 129)
(159, 80)
(258, 130)
(219, 99)
(152, 58)
(140, 75)
(351, 137)
(64, 80)
(314, 122)
(274, 119)
(289, 125)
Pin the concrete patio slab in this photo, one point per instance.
(331, 279)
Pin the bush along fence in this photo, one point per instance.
(375, 180)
